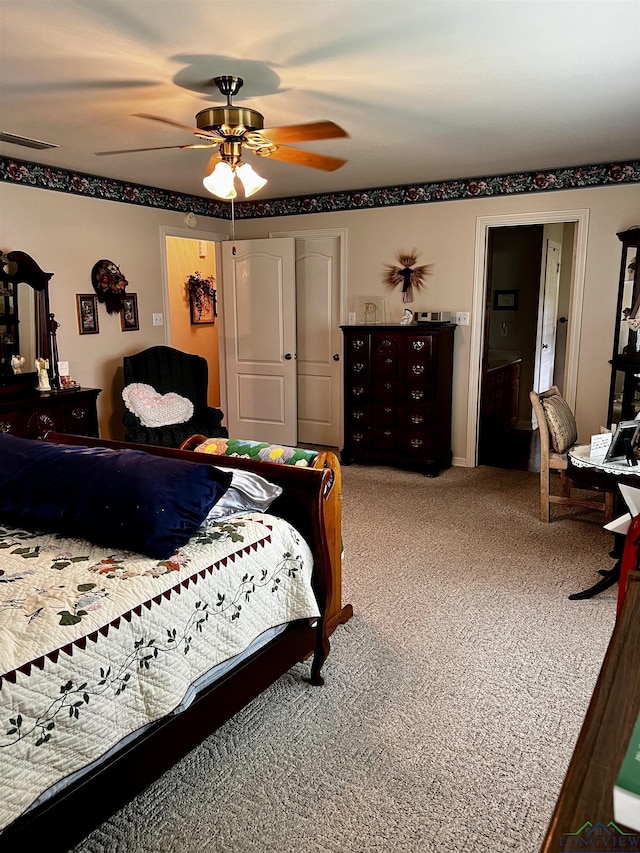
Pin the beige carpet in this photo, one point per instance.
(452, 699)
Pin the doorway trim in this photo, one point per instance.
(483, 224)
(188, 234)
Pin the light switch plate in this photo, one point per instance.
(462, 318)
(157, 320)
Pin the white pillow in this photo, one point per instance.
(153, 409)
(247, 492)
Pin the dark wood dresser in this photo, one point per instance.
(397, 396)
(32, 413)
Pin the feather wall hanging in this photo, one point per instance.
(407, 274)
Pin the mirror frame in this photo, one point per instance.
(17, 268)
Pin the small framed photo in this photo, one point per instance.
(87, 307)
(129, 321)
(505, 300)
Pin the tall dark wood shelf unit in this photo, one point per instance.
(397, 395)
(624, 392)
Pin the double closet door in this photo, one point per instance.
(281, 302)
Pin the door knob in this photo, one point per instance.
(562, 320)
(336, 356)
(288, 356)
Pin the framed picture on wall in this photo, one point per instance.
(129, 313)
(203, 306)
(505, 300)
(87, 307)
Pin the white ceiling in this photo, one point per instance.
(427, 91)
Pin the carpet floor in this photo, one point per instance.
(452, 700)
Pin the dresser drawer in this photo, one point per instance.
(33, 414)
(421, 345)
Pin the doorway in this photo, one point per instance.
(186, 252)
(523, 290)
(516, 341)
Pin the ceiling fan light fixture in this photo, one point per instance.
(251, 180)
(220, 181)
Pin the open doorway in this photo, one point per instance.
(528, 285)
(570, 228)
(188, 329)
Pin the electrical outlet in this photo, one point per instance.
(158, 320)
(462, 318)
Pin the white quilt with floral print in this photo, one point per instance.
(95, 644)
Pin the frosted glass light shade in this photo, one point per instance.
(251, 181)
(220, 181)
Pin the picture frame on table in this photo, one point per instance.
(625, 443)
(372, 310)
(87, 308)
(129, 320)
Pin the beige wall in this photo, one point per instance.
(444, 234)
(67, 235)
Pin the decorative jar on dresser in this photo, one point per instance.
(397, 395)
(31, 414)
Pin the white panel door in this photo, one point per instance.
(258, 306)
(547, 318)
(319, 339)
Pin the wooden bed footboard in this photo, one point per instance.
(72, 813)
(337, 612)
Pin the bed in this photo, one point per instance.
(280, 454)
(119, 659)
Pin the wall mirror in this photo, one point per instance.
(27, 328)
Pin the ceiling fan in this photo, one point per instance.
(232, 129)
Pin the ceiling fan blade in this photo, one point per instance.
(304, 132)
(306, 158)
(156, 148)
(189, 129)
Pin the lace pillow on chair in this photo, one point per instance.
(561, 422)
(156, 410)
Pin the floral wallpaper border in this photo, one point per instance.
(547, 180)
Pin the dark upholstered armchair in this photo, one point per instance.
(169, 370)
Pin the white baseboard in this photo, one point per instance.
(460, 462)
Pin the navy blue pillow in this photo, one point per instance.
(124, 499)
